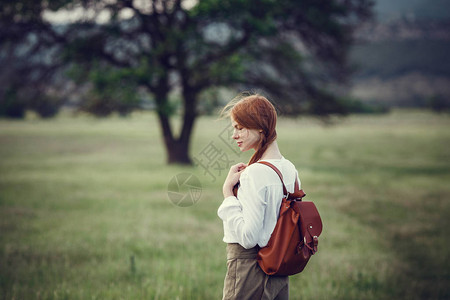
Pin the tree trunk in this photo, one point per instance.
(178, 148)
(178, 153)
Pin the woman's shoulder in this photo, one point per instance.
(262, 171)
(285, 166)
(282, 163)
(289, 164)
(257, 169)
(260, 175)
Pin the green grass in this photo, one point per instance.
(84, 211)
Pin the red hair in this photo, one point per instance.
(255, 112)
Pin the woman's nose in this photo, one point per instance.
(235, 135)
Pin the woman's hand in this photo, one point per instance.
(233, 177)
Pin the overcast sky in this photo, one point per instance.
(101, 16)
(385, 10)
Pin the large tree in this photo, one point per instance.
(289, 48)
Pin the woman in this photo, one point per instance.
(249, 217)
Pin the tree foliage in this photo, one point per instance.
(292, 49)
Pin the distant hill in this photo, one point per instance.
(417, 9)
(403, 57)
(391, 58)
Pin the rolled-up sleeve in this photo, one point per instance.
(230, 206)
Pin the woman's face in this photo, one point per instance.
(246, 139)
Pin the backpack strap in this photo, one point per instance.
(298, 194)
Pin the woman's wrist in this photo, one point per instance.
(227, 190)
(227, 194)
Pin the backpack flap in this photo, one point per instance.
(310, 224)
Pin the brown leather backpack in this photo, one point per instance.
(295, 237)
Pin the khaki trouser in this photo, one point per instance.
(246, 280)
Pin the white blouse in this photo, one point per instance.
(250, 218)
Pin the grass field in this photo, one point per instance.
(85, 214)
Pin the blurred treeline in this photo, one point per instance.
(117, 56)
